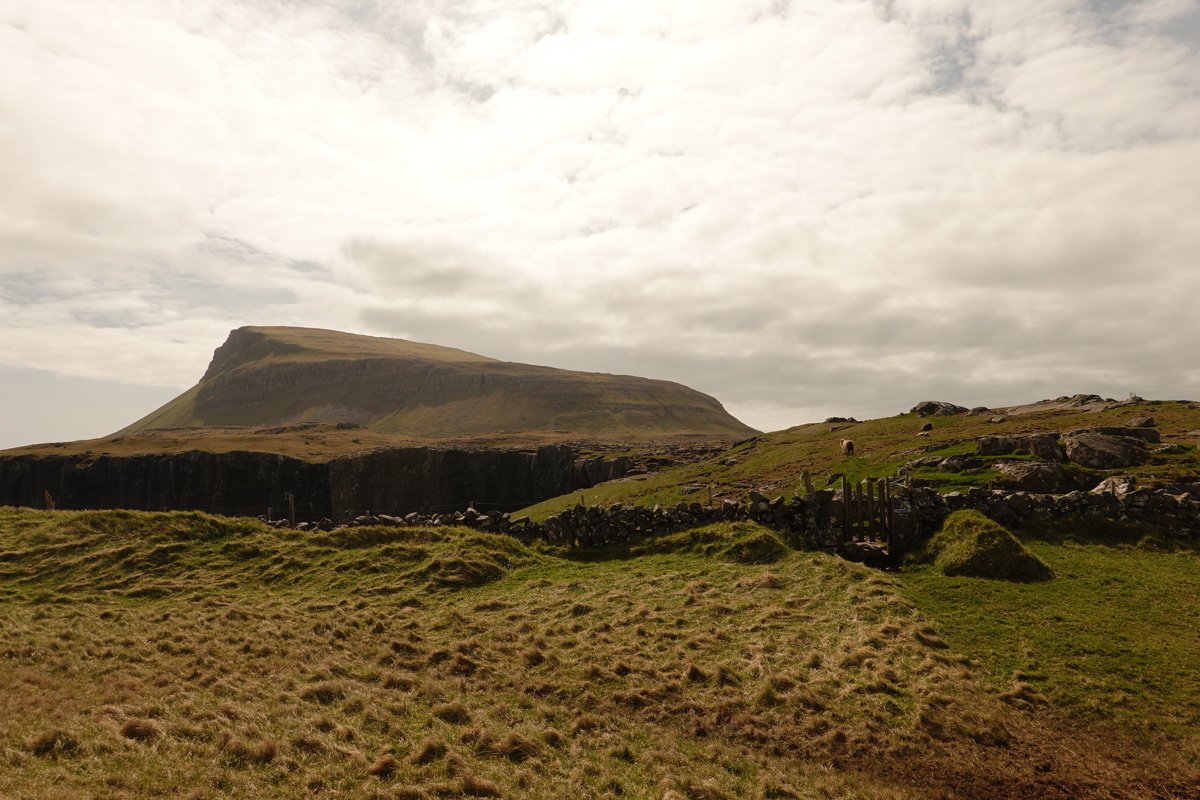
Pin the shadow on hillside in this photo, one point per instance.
(1105, 532)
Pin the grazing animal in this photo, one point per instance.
(847, 447)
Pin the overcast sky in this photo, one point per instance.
(802, 208)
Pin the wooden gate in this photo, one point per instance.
(868, 513)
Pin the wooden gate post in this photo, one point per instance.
(859, 508)
(891, 516)
(845, 511)
(870, 534)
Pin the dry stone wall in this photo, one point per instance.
(816, 520)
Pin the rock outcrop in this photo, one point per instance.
(937, 408)
(1098, 451)
(1044, 477)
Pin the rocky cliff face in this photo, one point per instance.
(230, 483)
(243, 483)
(276, 376)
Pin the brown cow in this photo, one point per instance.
(847, 447)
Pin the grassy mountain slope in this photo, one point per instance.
(190, 656)
(773, 463)
(278, 376)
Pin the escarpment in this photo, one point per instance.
(397, 480)
(278, 376)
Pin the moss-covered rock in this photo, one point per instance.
(971, 544)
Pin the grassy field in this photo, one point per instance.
(1114, 637)
(181, 655)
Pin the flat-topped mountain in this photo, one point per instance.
(264, 376)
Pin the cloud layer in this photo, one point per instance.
(801, 208)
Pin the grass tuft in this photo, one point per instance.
(384, 766)
(53, 742)
(141, 730)
(453, 712)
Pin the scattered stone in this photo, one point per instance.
(937, 408)
(1169, 449)
(998, 419)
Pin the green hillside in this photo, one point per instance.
(181, 655)
(285, 376)
(773, 463)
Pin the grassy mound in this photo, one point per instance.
(970, 544)
(140, 554)
(739, 542)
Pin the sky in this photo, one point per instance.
(805, 209)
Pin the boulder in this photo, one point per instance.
(1116, 485)
(979, 411)
(1043, 477)
(936, 408)
(1098, 451)
(1169, 449)
(1141, 422)
(925, 461)
(996, 445)
(928, 426)
(960, 462)
(1043, 445)
(1145, 434)
(997, 419)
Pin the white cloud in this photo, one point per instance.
(828, 207)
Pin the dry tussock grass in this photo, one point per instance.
(671, 676)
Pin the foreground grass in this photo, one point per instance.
(1114, 637)
(182, 655)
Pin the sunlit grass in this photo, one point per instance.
(192, 656)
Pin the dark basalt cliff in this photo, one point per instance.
(245, 483)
